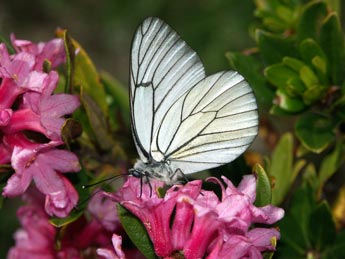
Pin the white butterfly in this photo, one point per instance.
(182, 121)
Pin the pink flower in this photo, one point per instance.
(38, 238)
(52, 51)
(202, 225)
(43, 112)
(44, 164)
(102, 209)
(117, 253)
(27, 107)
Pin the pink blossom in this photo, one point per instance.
(28, 106)
(20, 68)
(5, 116)
(51, 108)
(44, 112)
(53, 51)
(37, 238)
(102, 209)
(202, 225)
(117, 253)
(44, 164)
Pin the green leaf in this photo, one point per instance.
(263, 187)
(86, 76)
(70, 130)
(117, 96)
(324, 234)
(279, 74)
(331, 163)
(314, 131)
(276, 110)
(293, 63)
(274, 48)
(70, 51)
(281, 168)
(289, 103)
(268, 255)
(60, 222)
(308, 77)
(337, 249)
(313, 55)
(314, 94)
(310, 177)
(308, 25)
(136, 232)
(97, 121)
(295, 87)
(332, 42)
(294, 227)
(250, 68)
(9, 46)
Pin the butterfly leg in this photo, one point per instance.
(178, 175)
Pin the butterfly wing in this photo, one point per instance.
(210, 125)
(163, 68)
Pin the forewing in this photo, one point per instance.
(163, 68)
(210, 125)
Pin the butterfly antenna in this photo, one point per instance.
(149, 183)
(111, 179)
(78, 206)
(141, 186)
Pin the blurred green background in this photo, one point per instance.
(105, 29)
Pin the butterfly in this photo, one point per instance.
(182, 120)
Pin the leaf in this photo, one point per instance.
(97, 121)
(279, 74)
(86, 76)
(310, 177)
(332, 162)
(337, 249)
(308, 25)
(324, 234)
(274, 48)
(332, 42)
(338, 208)
(314, 131)
(60, 222)
(313, 55)
(276, 110)
(250, 68)
(118, 95)
(70, 51)
(263, 187)
(281, 168)
(136, 232)
(293, 63)
(289, 103)
(294, 227)
(9, 46)
(70, 130)
(314, 93)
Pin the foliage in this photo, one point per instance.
(297, 70)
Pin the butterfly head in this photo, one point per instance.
(157, 170)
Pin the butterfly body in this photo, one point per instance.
(182, 120)
(157, 170)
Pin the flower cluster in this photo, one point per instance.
(31, 119)
(38, 238)
(195, 223)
